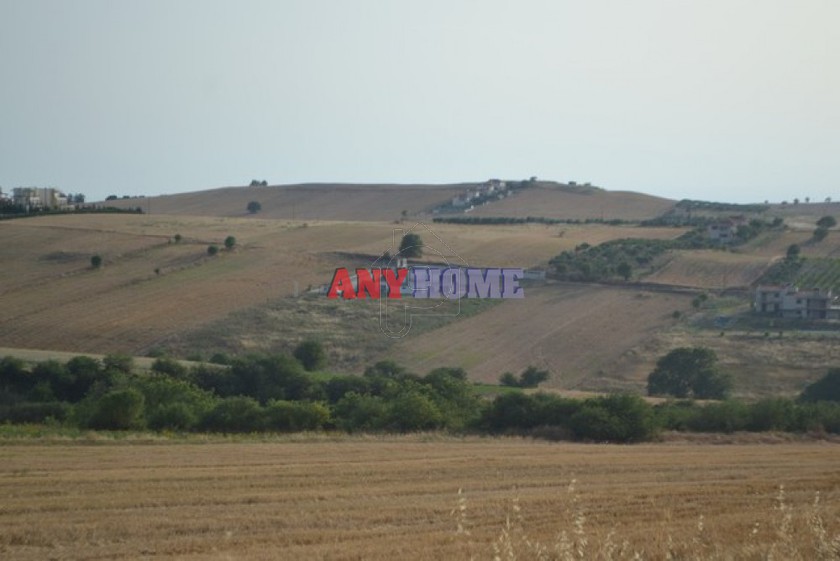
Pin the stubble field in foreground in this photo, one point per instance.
(397, 498)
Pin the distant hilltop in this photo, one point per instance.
(378, 202)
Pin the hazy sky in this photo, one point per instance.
(715, 99)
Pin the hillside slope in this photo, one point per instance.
(337, 201)
(303, 202)
(152, 288)
(554, 200)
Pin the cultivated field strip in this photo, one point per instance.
(388, 498)
(577, 332)
(711, 269)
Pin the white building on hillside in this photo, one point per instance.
(789, 301)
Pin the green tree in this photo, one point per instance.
(235, 414)
(118, 410)
(178, 238)
(296, 415)
(271, 377)
(509, 379)
(625, 270)
(412, 410)
(531, 377)
(411, 246)
(827, 222)
(212, 250)
(311, 355)
(170, 367)
(826, 388)
(118, 363)
(230, 242)
(793, 252)
(357, 412)
(173, 404)
(96, 261)
(689, 372)
(254, 207)
(82, 373)
(820, 234)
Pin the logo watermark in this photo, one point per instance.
(406, 291)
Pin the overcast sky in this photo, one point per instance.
(714, 99)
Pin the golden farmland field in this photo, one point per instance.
(398, 498)
(580, 333)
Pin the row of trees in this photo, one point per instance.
(277, 393)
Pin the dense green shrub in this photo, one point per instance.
(296, 415)
(311, 354)
(172, 403)
(413, 411)
(235, 414)
(34, 412)
(357, 412)
(118, 410)
(170, 367)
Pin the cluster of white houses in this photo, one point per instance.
(789, 301)
(495, 187)
(38, 198)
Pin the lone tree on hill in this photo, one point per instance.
(311, 355)
(689, 372)
(230, 241)
(827, 222)
(411, 246)
(212, 250)
(96, 261)
(254, 207)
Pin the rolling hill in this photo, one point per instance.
(312, 201)
(554, 200)
(373, 202)
(154, 292)
(151, 288)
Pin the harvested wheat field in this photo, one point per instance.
(398, 498)
(580, 333)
